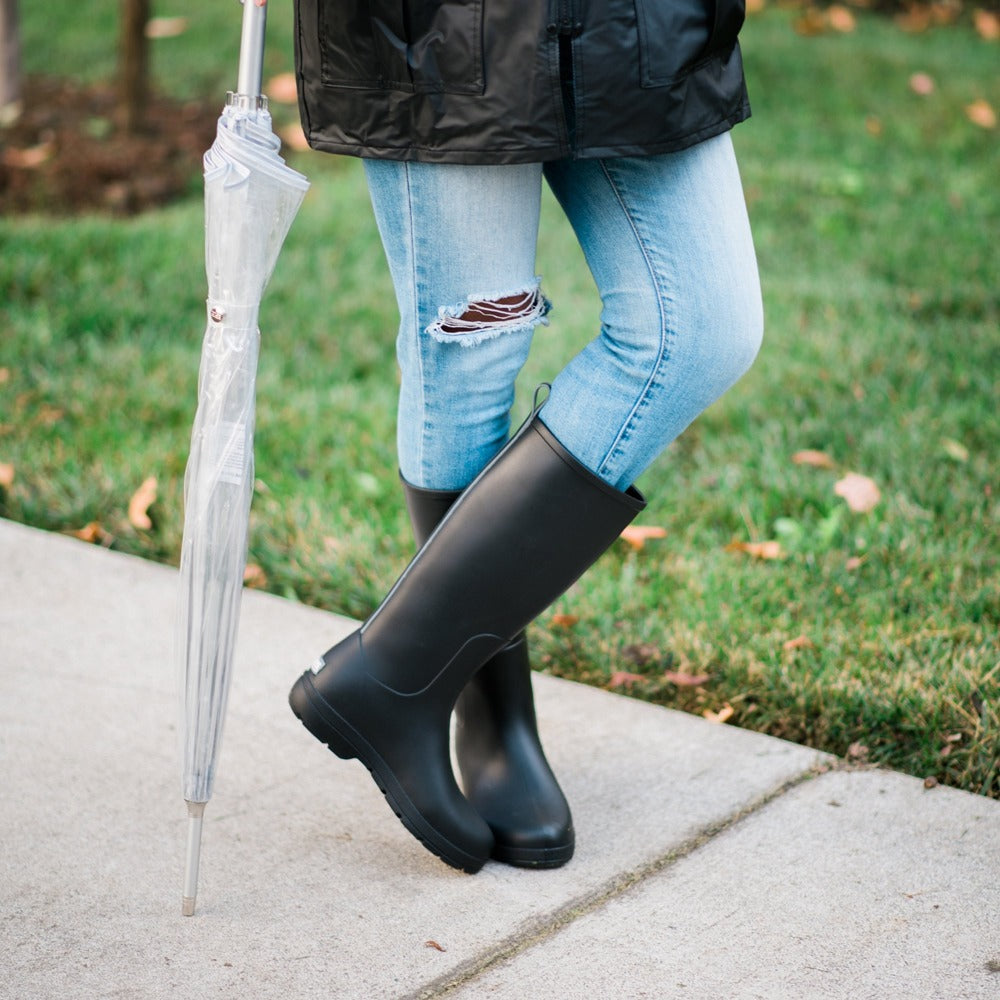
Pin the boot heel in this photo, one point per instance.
(306, 711)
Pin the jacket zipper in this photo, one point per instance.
(565, 28)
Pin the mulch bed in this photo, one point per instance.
(65, 154)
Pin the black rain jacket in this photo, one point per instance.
(517, 81)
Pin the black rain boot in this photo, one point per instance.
(525, 530)
(504, 771)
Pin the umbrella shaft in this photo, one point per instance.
(252, 49)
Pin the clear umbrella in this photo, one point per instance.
(251, 198)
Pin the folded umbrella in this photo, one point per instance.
(251, 198)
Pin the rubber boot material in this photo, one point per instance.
(385, 693)
(503, 767)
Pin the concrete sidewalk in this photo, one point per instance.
(711, 862)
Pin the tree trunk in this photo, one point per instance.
(10, 62)
(133, 81)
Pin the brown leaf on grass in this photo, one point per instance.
(860, 492)
(955, 450)
(293, 137)
(4, 375)
(166, 27)
(723, 715)
(686, 680)
(811, 22)
(873, 125)
(254, 577)
(987, 24)
(853, 563)
(817, 459)
(622, 678)
(281, 88)
(799, 642)
(92, 533)
(642, 653)
(142, 500)
(637, 534)
(840, 18)
(7, 474)
(922, 84)
(28, 158)
(434, 945)
(755, 6)
(981, 113)
(759, 550)
(564, 621)
(857, 752)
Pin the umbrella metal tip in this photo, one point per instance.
(187, 906)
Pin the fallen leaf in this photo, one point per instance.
(621, 678)
(922, 84)
(92, 533)
(840, 18)
(564, 621)
(987, 23)
(981, 113)
(799, 642)
(636, 534)
(6, 474)
(755, 6)
(166, 27)
(254, 577)
(873, 125)
(28, 158)
(142, 500)
(860, 492)
(281, 88)
(759, 550)
(723, 715)
(811, 22)
(293, 137)
(4, 375)
(857, 752)
(686, 680)
(817, 459)
(853, 563)
(955, 450)
(642, 653)
(434, 945)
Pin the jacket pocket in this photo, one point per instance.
(677, 35)
(418, 46)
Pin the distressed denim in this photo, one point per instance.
(668, 243)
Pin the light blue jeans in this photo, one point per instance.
(668, 242)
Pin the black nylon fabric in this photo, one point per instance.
(482, 81)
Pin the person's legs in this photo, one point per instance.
(668, 242)
(460, 242)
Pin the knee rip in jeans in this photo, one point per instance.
(483, 317)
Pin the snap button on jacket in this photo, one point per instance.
(517, 81)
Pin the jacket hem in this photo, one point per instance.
(513, 155)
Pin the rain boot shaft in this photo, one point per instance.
(504, 772)
(525, 530)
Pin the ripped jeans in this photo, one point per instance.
(668, 243)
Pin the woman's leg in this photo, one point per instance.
(461, 247)
(668, 242)
(460, 242)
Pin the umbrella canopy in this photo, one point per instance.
(251, 198)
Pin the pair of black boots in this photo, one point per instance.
(493, 559)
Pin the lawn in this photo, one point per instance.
(871, 634)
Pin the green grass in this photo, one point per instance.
(876, 214)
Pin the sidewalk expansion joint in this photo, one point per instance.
(540, 930)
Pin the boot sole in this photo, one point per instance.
(533, 857)
(330, 728)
